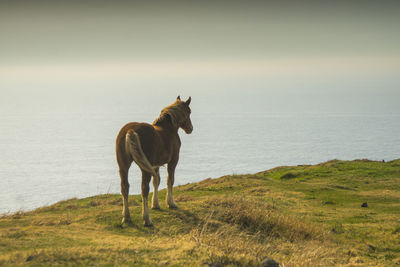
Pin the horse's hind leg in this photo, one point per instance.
(146, 177)
(156, 182)
(125, 194)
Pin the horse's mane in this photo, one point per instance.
(174, 113)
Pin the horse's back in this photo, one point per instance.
(141, 128)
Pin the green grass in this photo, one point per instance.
(305, 215)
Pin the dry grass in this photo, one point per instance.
(262, 219)
(244, 231)
(235, 220)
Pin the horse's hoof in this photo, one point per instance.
(148, 224)
(127, 221)
(173, 207)
(155, 208)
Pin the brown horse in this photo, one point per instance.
(151, 146)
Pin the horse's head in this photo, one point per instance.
(178, 114)
(185, 123)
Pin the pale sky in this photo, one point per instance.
(338, 45)
(166, 31)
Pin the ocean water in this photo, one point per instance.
(53, 151)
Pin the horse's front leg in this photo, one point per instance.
(156, 182)
(146, 177)
(170, 182)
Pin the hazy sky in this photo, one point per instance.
(307, 45)
(125, 31)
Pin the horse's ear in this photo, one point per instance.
(178, 98)
(189, 100)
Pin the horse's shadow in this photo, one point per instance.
(165, 222)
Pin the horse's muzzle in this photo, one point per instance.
(189, 130)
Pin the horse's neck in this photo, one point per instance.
(167, 127)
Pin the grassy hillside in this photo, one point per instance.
(299, 216)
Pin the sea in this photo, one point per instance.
(60, 146)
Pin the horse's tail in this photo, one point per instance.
(134, 148)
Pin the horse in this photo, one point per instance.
(151, 146)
